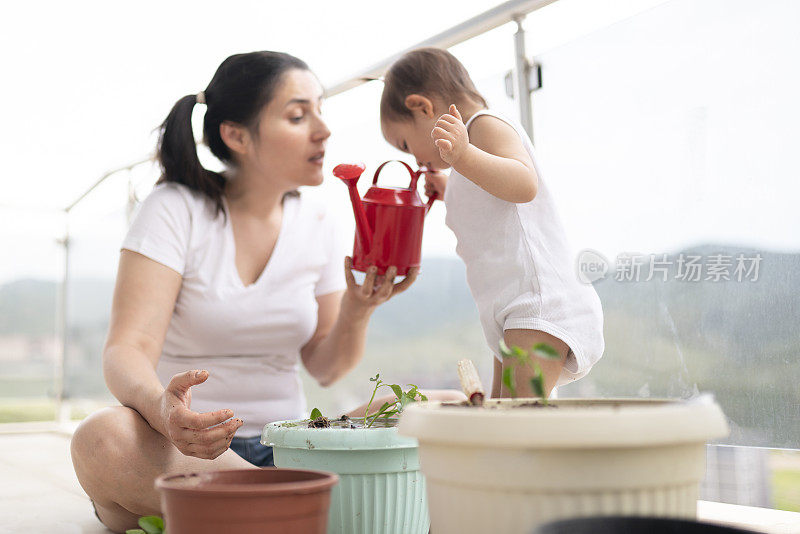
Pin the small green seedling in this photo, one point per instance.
(402, 399)
(151, 524)
(523, 358)
(318, 420)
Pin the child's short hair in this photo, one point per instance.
(431, 72)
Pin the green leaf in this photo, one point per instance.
(315, 413)
(397, 390)
(537, 385)
(519, 352)
(152, 524)
(376, 379)
(135, 531)
(405, 400)
(545, 351)
(379, 413)
(422, 397)
(521, 355)
(381, 410)
(508, 381)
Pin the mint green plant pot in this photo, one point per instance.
(381, 488)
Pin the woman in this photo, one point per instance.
(226, 280)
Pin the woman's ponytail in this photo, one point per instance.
(177, 154)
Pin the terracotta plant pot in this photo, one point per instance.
(382, 490)
(506, 468)
(247, 501)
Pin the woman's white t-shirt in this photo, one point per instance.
(247, 337)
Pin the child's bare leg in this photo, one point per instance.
(432, 394)
(551, 369)
(117, 456)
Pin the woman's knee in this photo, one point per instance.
(101, 438)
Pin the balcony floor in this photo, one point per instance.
(40, 493)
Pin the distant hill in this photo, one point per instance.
(738, 339)
(29, 306)
(729, 310)
(440, 297)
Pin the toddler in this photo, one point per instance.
(518, 264)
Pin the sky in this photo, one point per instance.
(89, 81)
(660, 123)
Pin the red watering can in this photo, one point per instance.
(388, 221)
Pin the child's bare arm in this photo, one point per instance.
(491, 155)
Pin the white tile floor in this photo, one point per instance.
(38, 489)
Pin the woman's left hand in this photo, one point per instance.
(376, 289)
(338, 344)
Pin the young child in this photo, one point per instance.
(510, 237)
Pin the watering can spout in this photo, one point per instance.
(349, 174)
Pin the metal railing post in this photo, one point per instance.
(62, 327)
(522, 69)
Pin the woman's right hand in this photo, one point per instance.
(435, 182)
(195, 434)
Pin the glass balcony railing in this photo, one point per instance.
(666, 138)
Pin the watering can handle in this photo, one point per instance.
(431, 198)
(414, 177)
(414, 174)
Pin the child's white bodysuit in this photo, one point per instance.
(520, 269)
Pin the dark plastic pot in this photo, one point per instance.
(247, 501)
(634, 525)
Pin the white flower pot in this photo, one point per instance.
(501, 470)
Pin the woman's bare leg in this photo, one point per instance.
(117, 456)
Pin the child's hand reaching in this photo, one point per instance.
(450, 136)
(435, 182)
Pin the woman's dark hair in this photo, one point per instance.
(241, 87)
(431, 72)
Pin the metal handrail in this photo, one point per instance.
(513, 10)
(103, 178)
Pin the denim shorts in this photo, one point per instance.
(253, 451)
